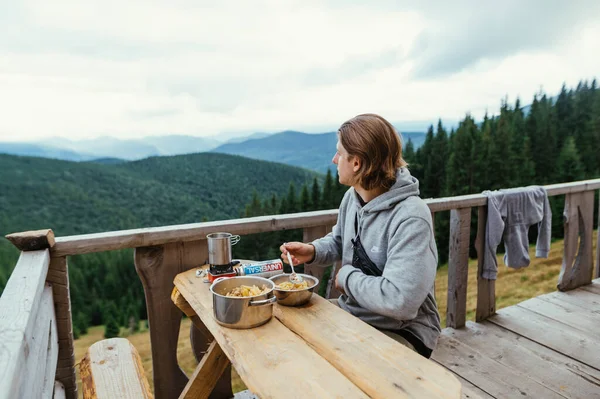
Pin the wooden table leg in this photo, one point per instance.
(200, 336)
(207, 373)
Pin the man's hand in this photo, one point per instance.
(301, 253)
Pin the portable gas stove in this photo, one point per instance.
(216, 271)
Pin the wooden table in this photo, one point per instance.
(314, 351)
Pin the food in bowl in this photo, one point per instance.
(290, 286)
(247, 291)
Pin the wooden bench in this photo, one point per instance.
(112, 368)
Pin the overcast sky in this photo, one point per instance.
(87, 68)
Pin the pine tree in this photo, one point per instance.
(524, 166)
(133, 319)
(408, 153)
(461, 163)
(484, 174)
(327, 202)
(81, 322)
(503, 168)
(339, 189)
(569, 162)
(438, 160)
(564, 122)
(283, 206)
(315, 195)
(110, 316)
(76, 332)
(111, 329)
(541, 129)
(292, 201)
(254, 208)
(305, 204)
(584, 134)
(427, 180)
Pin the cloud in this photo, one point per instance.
(458, 37)
(82, 69)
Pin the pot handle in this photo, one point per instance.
(235, 239)
(269, 301)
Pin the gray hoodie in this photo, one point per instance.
(396, 231)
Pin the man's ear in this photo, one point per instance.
(356, 164)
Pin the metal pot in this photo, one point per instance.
(219, 247)
(242, 312)
(296, 297)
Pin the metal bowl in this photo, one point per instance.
(294, 297)
(242, 312)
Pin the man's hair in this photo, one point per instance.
(377, 144)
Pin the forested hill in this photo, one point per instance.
(75, 198)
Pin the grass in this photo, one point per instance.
(512, 286)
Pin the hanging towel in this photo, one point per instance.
(511, 213)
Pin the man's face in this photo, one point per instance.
(347, 166)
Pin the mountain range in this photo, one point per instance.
(311, 151)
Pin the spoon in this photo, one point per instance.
(294, 278)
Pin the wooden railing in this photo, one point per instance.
(28, 319)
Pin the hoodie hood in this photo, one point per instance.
(406, 186)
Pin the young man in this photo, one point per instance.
(383, 236)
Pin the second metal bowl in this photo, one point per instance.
(294, 297)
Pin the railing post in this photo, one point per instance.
(486, 289)
(58, 276)
(458, 267)
(578, 257)
(598, 243)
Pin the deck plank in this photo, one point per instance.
(495, 378)
(559, 373)
(470, 391)
(594, 287)
(556, 308)
(581, 297)
(558, 336)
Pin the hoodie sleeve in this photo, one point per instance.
(407, 278)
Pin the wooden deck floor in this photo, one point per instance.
(545, 347)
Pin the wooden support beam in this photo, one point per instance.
(157, 267)
(58, 276)
(578, 258)
(458, 267)
(32, 240)
(486, 289)
(597, 275)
